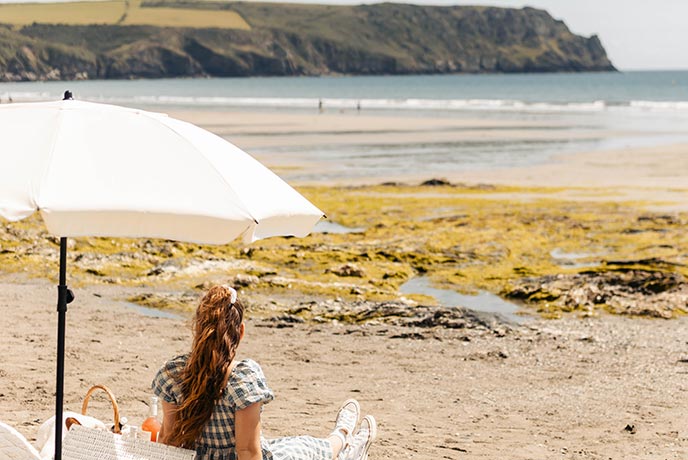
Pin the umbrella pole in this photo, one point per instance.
(64, 296)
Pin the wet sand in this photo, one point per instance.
(656, 173)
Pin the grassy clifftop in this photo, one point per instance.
(120, 12)
(167, 39)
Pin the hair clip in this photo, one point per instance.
(232, 294)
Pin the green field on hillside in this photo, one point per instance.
(118, 12)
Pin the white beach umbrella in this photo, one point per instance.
(103, 170)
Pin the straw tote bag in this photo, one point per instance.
(84, 443)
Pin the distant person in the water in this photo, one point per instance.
(320, 106)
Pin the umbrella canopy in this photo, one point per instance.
(103, 170)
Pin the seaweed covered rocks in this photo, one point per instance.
(411, 321)
(556, 250)
(628, 291)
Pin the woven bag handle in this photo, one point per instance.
(115, 407)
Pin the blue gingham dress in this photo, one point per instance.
(246, 386)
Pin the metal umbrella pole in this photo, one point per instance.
(64, 297)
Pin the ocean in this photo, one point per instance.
(628, 109)
(575, 92)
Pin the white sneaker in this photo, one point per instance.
(347, 419)
(362, 439)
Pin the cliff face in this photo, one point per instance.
(306, 40)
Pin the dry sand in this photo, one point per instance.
(564, 389)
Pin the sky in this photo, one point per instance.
(637, 34)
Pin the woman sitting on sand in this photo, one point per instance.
(212, 404)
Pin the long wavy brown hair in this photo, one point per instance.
(217, 331)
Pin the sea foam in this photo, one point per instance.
(409, 104)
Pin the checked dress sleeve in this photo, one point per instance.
(167, 382)
(247, 385)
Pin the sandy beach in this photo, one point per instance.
(602, 388)
(597, 387)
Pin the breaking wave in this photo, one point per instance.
(495, 105)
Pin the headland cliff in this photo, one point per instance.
(153, 39)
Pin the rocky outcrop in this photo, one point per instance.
(627, 289)
(419, 317)
(307, 40)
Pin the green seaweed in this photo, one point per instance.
(462, 238)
